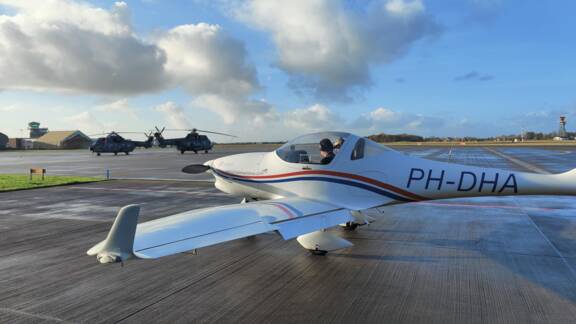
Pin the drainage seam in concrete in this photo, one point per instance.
(551, 245)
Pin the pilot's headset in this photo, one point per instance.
(326, 145)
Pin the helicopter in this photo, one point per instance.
(191, 142)
(113, 142)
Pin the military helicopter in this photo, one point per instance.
(192, 142)
(113, 142)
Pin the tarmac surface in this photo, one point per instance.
(150, 164)
(482, 260)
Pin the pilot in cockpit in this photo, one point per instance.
(326, 151)
(338, 144)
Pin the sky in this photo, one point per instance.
(269, 70)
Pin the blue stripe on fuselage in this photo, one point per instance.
(325, 179)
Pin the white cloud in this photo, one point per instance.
(389, 121)
(11, 108)
(203, 59)
(234, 109)
(314, 118)
(404, 7)
(327, 49)
(174, 115)
(118, 106)
(74, 47)
(87, 123)
(215, 68)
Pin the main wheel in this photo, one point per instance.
(98, 153)
(195, 152)
(182, 151)
(206, 151)
(127, 153)
(115, 153)
(318, 252)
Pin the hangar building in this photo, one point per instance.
(63, 140)
(3, 141)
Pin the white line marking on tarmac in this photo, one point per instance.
(38, 316)
(516, 161)
(165, 179)
(153, 191)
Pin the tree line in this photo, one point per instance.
(528, 136)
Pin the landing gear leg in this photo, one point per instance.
(318, 252)
(247, 200)
(350, 226)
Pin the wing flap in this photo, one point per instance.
(292, 228)
(198, 228)
(202, 240)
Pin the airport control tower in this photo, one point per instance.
(35, 130)
(562, 129)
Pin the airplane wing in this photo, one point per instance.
(290, 217)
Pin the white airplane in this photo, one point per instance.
(301, 189)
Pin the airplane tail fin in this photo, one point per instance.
(570, 174)
(118, 245)
(560, 183)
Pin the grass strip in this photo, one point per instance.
(10, 182)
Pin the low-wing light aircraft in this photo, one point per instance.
(307, 186)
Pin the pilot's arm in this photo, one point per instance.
(326, 151)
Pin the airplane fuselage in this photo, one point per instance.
(389, 177)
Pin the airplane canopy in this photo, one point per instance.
(307, 148)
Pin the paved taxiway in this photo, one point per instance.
(153, 163)
(484, 260)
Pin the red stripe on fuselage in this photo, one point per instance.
(284, 209)
(332, 173)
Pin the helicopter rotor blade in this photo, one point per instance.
(195, 168)
(198, 130)
(205, 131)
(160, 131)
(224, 134)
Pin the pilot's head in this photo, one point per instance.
(326, 146)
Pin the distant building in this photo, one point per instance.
(63, 140)
(35, 130)
(3, 141)
(16, 143)
(562, 133)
